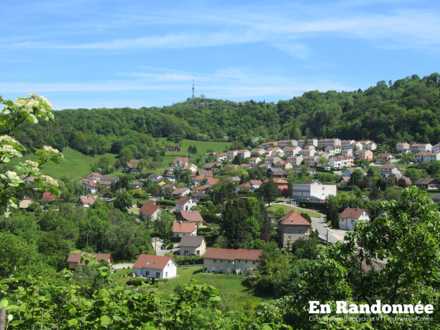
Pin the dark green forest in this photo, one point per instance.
(406, 109)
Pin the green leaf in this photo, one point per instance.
(106, 321)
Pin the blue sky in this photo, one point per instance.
(93, 53)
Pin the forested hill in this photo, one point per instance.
(407, 109)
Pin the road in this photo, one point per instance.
(326, 233)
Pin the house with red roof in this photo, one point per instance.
(350, 216)
(184, 228)
(236, 261)
(87, 200)
(158, 267)
(48, 197)
(192, 216)
(78, 258)
(149, 211)
(293, 226)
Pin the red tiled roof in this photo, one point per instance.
(149, 208)
(152, 262)
(233, 254)
(183, 227)
(87, 200)
(74, 257)
(48, 196)
(351, 213)
(107, 257)
(294, 219)
(191, 216)
(212, 181)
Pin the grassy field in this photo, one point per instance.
(203, 147)
(234, 295)
(74, 165)
(284, 209)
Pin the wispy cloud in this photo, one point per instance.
(233, 83)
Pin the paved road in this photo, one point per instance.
(325, 232)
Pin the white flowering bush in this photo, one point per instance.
(18, 176)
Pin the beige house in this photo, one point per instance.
(293, 226)
(192, 246)
(231, 260)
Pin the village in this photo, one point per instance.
(184, 186)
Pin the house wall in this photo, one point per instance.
(169, 271)
(229, 266)
(349, 224)
(193, 251)
(290, 234)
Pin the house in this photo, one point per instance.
(420, 147)
(181, 162)
(340, 162)
(314, 192)
(277, 172)
(95, 180)
(231, 260)
(390, 170)
(293, 226)
(78, 258)
(282, 185)
(150, 211)
(365, 155)
(428, 184)
(427, 156)
(87, 200)
(158, 267)
(192, 216)
(402, 147)
(192, 246)
(181, 229)
(132, 166)
(25, 203)
(404, 182)
(436, 148)
(181, 192)
(255, 184)
(48, 197)
(244, 154)
(350, 216)
(185, 204)
(323, 143)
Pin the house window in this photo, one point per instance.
(157, 274)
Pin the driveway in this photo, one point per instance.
(326, 233)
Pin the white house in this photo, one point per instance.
(314, 192)
(160, 267)
(231, 260)
(185, 204)
(340, 162)
(420, 147)
(350, 216)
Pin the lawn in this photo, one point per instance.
(284, 209)
(75, 165)
(203, 147)
(234, 295)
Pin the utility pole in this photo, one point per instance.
(193, 90)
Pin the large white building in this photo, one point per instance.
(314, 192)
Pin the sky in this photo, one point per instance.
(108, 53)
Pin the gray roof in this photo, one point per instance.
(191, 241)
